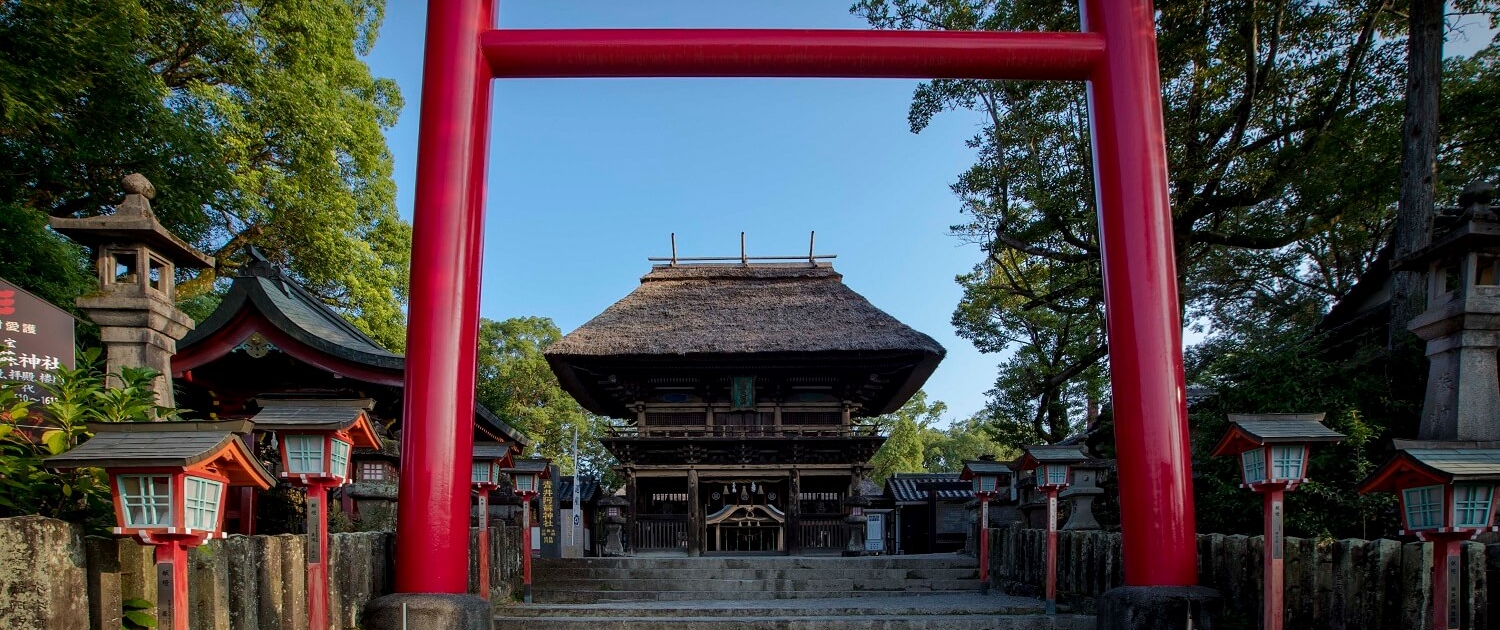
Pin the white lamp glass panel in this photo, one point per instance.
(339, 462)
(1286, 461)
(201, 503)
(146, 500)
(482, 473)
(525, 483)
(304, 454)
(1471, 505)
(1055, 474)
(1253, 462)
(1424, 507)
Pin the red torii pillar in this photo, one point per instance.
(1115, 53)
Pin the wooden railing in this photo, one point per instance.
(657, 533)
(824, 533)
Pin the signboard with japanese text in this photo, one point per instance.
(547, 517)
(35, 339)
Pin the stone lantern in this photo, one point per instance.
(1053, 466)
(168, 480)
(1273, 449)
(489, 459)
(991, 479)
(614, 524)
(527, 476)
(315, 439)
(1447, 496)
(136, 305)
(1462, 322)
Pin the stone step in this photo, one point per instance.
(739, 586)
(585, 597)
(615, 573)
(864, 622)
(934, 561)
(947, 604)
(963, 611)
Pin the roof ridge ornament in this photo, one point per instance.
(744, 258)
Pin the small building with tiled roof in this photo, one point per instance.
(272, 350)
(931, 513)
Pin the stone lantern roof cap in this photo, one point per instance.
(133, 222)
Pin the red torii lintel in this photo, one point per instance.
(1116, 54)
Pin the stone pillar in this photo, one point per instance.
(794, 513)
(1462, 394)
(695, 516)
(135, 306)
(634, 504)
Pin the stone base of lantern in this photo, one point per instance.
(428, 611)
(1160, 608)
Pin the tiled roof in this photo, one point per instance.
(907, 488)
(589, 491)
(491, 450)
(1271, 428)
(332, 415)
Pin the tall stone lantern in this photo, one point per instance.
(136, 260)
(1462, 322)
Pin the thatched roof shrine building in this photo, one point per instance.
(744, 385)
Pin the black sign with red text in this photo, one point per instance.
(35, 339)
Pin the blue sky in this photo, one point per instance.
(588, 177)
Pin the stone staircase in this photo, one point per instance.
(936, 592)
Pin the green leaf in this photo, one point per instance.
(56, 441)
(140, 619)
(136, 603)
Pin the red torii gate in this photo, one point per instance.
(1115, 53)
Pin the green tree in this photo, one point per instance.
(257, 121)
(946, 450)
(516, 383)
(903, 451)
(1281, 118)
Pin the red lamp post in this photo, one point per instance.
(991, 479)
(1273, 451)
(168, 480)
(1054, 469)
(489, 459)
(527, 476)
(1447, 495)
(315, 439)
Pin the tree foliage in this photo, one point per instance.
(915, 442)
(257, 121)
(516, 383)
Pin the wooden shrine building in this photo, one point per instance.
(743, 387)
(272, 340)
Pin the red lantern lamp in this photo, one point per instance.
(1447, 495)
(527, 475)
(315, 438)
(168, 480)
(1053, 466)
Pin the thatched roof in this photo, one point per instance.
(713, 319)
(739, 309)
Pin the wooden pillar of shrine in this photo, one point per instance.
(695, 516)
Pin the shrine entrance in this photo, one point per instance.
(744, 515)
(1115, 53)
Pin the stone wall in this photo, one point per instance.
(51, 578)
(1343, 584)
